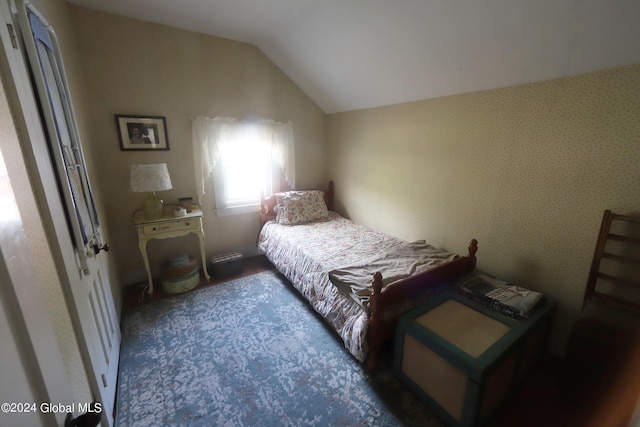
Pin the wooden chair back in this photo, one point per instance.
(615, 270)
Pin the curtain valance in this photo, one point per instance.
(212, 135)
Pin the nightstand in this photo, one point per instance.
(167, 227)
(463, 359)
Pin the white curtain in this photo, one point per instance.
(211, 134)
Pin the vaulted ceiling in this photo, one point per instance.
(354, 54)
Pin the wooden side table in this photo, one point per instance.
(166, 227)
(464, 359)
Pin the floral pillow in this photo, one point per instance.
(299, 207)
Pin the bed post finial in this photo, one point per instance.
(377, 282)
(328, 197)
(373, 298)
(374, 322)
(473, 248)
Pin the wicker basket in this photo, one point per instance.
(180, 274)
(171, 269)
(180, 284)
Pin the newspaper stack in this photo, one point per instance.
(514, 301)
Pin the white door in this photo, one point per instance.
(31, 366)
(66, 200)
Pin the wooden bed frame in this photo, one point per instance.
(381, 329)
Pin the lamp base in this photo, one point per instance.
(153, 206)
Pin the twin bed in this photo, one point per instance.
(359, 280)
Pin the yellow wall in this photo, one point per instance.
(134, 67)
(527, 170)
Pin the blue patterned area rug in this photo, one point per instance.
(249, 352)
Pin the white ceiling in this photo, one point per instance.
(354, 54)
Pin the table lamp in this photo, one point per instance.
(151, 177)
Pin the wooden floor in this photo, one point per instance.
(136, 294)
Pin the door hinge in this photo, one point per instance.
(104, 380)
(12, 35)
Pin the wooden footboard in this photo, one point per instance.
(381, 329)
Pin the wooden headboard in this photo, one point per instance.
(267, 205)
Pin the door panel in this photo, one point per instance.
(105, 318)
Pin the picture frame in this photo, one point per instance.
(142, 133)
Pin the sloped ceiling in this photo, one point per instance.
(355, 54)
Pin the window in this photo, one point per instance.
(244, 158)
(245, 170)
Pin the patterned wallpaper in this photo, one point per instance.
(527, 170)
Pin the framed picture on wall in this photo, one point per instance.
(140, 133)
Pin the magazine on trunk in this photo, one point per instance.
(512, 300)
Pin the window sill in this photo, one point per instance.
(237, 210)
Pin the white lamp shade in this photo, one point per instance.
(150, 177)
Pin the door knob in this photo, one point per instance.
(97, 249)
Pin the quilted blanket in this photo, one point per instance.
(305, 254)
